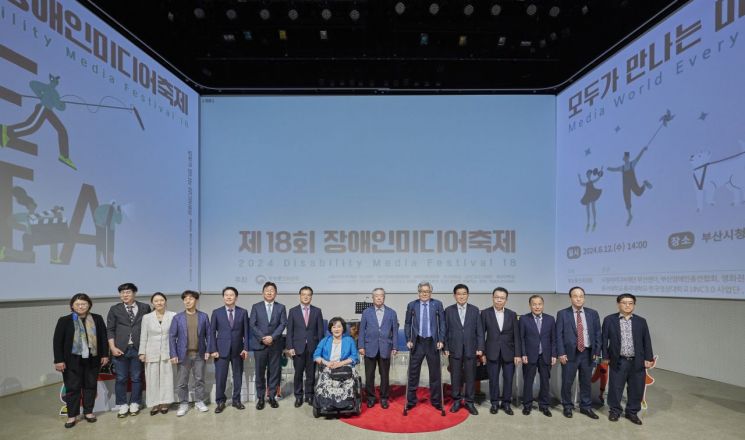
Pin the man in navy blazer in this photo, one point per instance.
(577, 350)
(304, 331)
(267, 322)
(503, 349)
(229, 328)
(538, 336)
(627, 350)
(463, 344)
(425, 337)
(377, 342)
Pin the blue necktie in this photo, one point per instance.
(425, 321)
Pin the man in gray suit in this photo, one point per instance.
(267, 322)
(123, 325)
(377, 341)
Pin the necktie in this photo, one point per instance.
(306, 315)
(131, 314)
(230, 317)
(425, 321)
(269, 312)
(538, 324)
(462, 314)
(580, 332)
(379, 316)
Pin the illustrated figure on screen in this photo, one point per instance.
(727, 172)
(49, 100)
(591, 195)
(106, 217)
(630, 184)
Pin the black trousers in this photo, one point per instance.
(508, 373)
(384, 366)
(304, 365)
(463, 369)
(80, 377)
(582, 362)
(544, 371)
(221, 377)
(268, 369)
(424, 348)
(625, 373)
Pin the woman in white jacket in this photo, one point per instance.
(154, 352)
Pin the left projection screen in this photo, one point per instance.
(98, 161)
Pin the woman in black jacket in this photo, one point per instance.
(80, 349)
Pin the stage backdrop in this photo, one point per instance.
(98, 159)
(651, 163)
(349, 193)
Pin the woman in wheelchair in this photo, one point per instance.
(337, 389)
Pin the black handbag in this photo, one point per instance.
(341, 373)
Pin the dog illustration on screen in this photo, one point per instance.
(709, 175)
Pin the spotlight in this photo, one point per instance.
(228, 38)
(400, 8)
(468, 10)
(496, 9)
(423, 39)
(462, 41)
(502, 41)
(265, 14)
(434, 8)
(170, 16)
(552, 36)
(282, 35)
(585, 10)
(326, 14)
(354, 14)
(292, 14)
(554, 11)
(248, 36)
(199, 13)
(526, 43)
(531, 9)
(231, 14)
(542, 43)
(323, 34)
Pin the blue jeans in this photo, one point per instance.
(128, 367)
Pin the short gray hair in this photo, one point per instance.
(424, 283)
(378, 289)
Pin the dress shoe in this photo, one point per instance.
(437, 406)
(260, 404)
(494, 409)
(546, 412)
(154, 410)
(589, 413)
(472, 409)
(238, 405)
(91, 419)
(410, 406)
(384, 404)
(507, 410)
(298, 403)
(273, 403)
(634, 419)
(455, 407)
(526, 411)
(568, 413)
(370, 403)
(220, 408)
(164, 408)
(613, 417)
(70, 424)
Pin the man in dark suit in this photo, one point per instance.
(123, 325)
(377, 342)
(538, 336)
(229, 327)
(578, 346)
(267, 322)
(425, 337)
(627, 350)
(304, 331)
(463, 343)
(503, 349)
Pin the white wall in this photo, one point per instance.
(692, 336)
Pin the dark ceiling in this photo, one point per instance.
(381, 46)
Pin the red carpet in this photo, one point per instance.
(422, 418)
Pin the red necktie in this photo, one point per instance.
(580, 333)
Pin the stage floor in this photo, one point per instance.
(680, 407)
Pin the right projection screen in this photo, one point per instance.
(651, 163)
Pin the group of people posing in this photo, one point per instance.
(172, 345)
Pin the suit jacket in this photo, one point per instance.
(463, 340)
(226, 340)
(611, 340)
(155, 341)
(376, 338)
(65, 332)
(261, 326)
(501, 343)
(348, 349)
(301, 337)
(531, 339)
(566, 332)
(436, 321)
(178, 334)
(119, 327)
